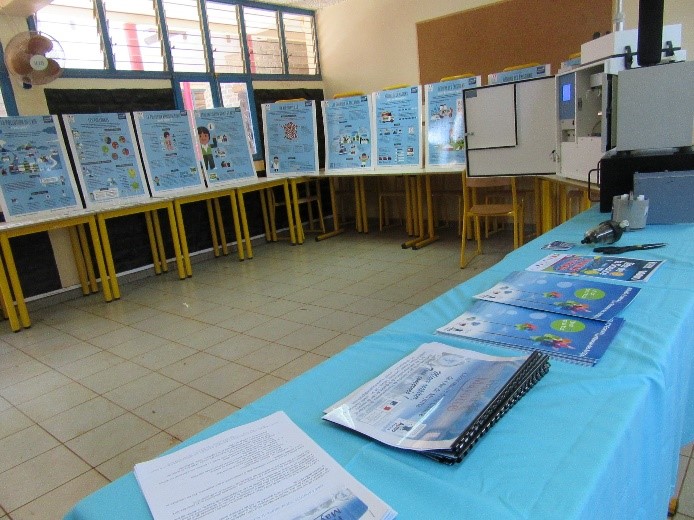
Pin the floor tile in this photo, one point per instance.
(56, 503)
(299, 365)
(24, 445)
(307, 337)
(335, 345)
(255, 390)
(142, 390)
(171, 408)
(124, 462)
(57, 401)
(236, 346)
(12, 421)
(274, 329)
(270, 357)
(226, 380)
(34, 387)
(81, 418)
(39, 475)
(201, 420)
(112, 438)
(193, 367)
(163, 355)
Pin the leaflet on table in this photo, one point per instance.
(265, 469)
(106, 157)
(348, 133)
(568, 338)
(445, 121)
(398, 116)
(426, 400)
(561, 294)
(223, 145)
(35, 173)
(291, 144)
(612, 267)
(168, 150)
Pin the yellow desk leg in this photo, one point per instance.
(79, 260)
(300, 237)
(409, 227)
(220, 224)
(237, 227)
(182, 240)
(263, 207)
(160, 241)
(100, 264)
(293, 237)
(431, 234)
(418, 211)
(547, 207)
(182, 262)
(108, 256)
(244, 223)
(358, 209)
(87, 257)
(7, 300)
(156, 261)
(364, 214)
(213, 228)
(336, 216)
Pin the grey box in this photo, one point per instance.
(670, 195)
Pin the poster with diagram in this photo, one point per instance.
(168, 150)
(445, 122)
(398, 116)
(223, 146)
(348, 133)
(291, 144)
(35, 173)
(106, 158)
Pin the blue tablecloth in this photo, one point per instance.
(600, 442)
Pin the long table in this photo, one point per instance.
(600, 442)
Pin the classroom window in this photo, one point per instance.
(236, 95)
(185, 35)
(196, 95)
(3, 108)
(263, 41)
(134, 33)
(299, 38)
(225, 38)
(73, 24)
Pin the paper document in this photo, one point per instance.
(612, 267)
(265, 469)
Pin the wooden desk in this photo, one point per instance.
(59, 221)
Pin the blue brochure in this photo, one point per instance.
(612, 267)
(571, 296)
(566, 338)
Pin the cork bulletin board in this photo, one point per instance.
(490, 38)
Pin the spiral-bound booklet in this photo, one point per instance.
(439, 400)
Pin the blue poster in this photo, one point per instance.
(445, 122)
(106, 157)
(348, 142)
(398, 127)
(168, 150)
(223, 146)
(290, 137)
(35, 173)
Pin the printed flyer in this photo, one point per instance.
(290, 137)
(108, 163)
(35, 173)
(612, 267)
(445, 122)
(567, 338)
(571, 296)
(348, 133)
(168, 149)
(398, 116)
(223, 146)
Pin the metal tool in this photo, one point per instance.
(615, 250)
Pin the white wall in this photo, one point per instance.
(370, 44)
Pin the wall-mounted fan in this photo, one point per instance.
(35, 57)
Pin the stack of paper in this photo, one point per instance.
(265, 469)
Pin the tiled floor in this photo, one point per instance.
(92, 388)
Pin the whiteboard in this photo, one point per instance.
(490, 117)
(536, 127)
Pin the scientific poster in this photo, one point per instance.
(290, 138)
(398, 115)
(348, 133)
(223, 146)
(168, 150)
(35, 173)
(106, 158)
(445, 122)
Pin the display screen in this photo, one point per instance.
(566, 92)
